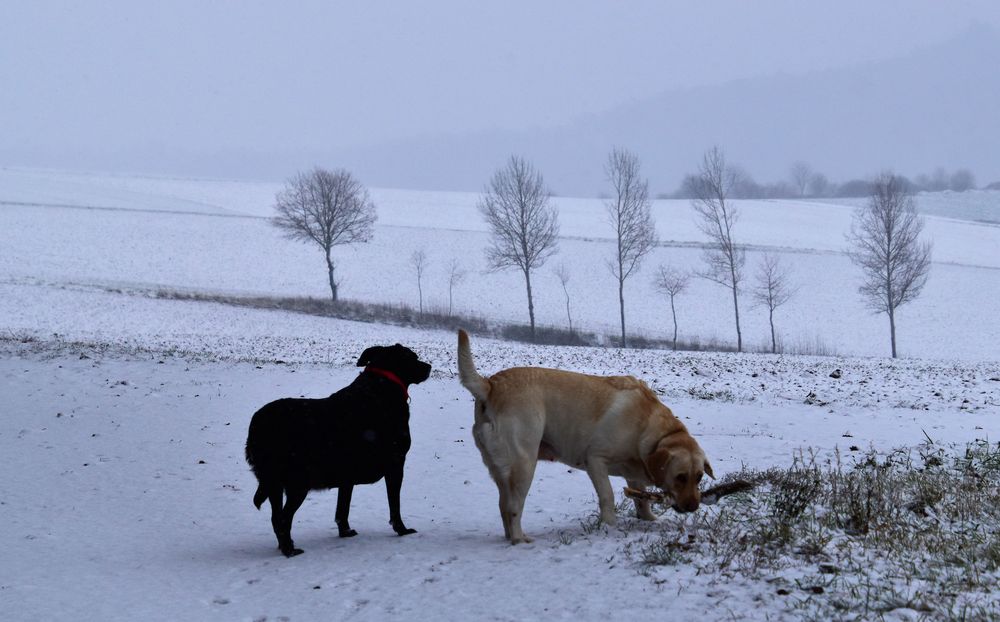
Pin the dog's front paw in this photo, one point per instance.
(291, 551)
(347, 533)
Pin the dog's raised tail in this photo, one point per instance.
(478, 386)
(260, 496)
(257, 462)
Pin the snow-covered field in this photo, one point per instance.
(170, 234)
(125, 494)
(978, 205)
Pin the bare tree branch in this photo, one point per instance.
(328, 208)
(885, 244)
(524, 226)
(630, 216)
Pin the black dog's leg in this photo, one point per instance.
(343, 509)
(275, 497)
(393, 483)
(293, 500)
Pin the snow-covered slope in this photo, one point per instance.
(173, 248)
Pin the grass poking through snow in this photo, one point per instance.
(915, 532)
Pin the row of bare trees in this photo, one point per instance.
(420, 263)
(884, 242)
(772, 289)
(331, 208)
(884, 238)
(524, 224)
(805, 182)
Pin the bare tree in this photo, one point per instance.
(455, 276)
(801, 174)
(885, 243)
(672, 282)
(716, 217)
(328, 208)
(524, 226)
(819, 185)
(939, 180)
(962, 180)
(772, 289)
(562, 273)
(629, 213)
(419, 261)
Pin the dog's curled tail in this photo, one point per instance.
(255, 461)
(260, 496)
(478, 386)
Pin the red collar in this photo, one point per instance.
(390, 376)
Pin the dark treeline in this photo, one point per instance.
(804, 182)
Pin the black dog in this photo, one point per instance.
(358, 435)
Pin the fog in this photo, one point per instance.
(436, 94)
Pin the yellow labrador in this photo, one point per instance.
(611, 425)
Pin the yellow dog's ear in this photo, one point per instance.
(708, 469)
(656, 463)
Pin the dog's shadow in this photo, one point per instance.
(252, 548)
(375, 543)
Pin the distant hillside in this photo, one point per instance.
(937, 106)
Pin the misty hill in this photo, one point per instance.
(935, 107)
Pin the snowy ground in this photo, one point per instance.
(125, 494)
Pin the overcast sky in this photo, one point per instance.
(85, 84)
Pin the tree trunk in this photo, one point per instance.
(531, 303)
(329, 271)
(569, 318)
(449, 298)
(736, 307)
(892, 330)
(673, 313)
(621, 307)
(420, 294)
(770, 318)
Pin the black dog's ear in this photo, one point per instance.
(367, 355)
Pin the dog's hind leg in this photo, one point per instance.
(522, 471)
(510, 452)
(343, 509)
(484, 433)
(504, 503)
(275, 496)
(393, 484)
(293, 500)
